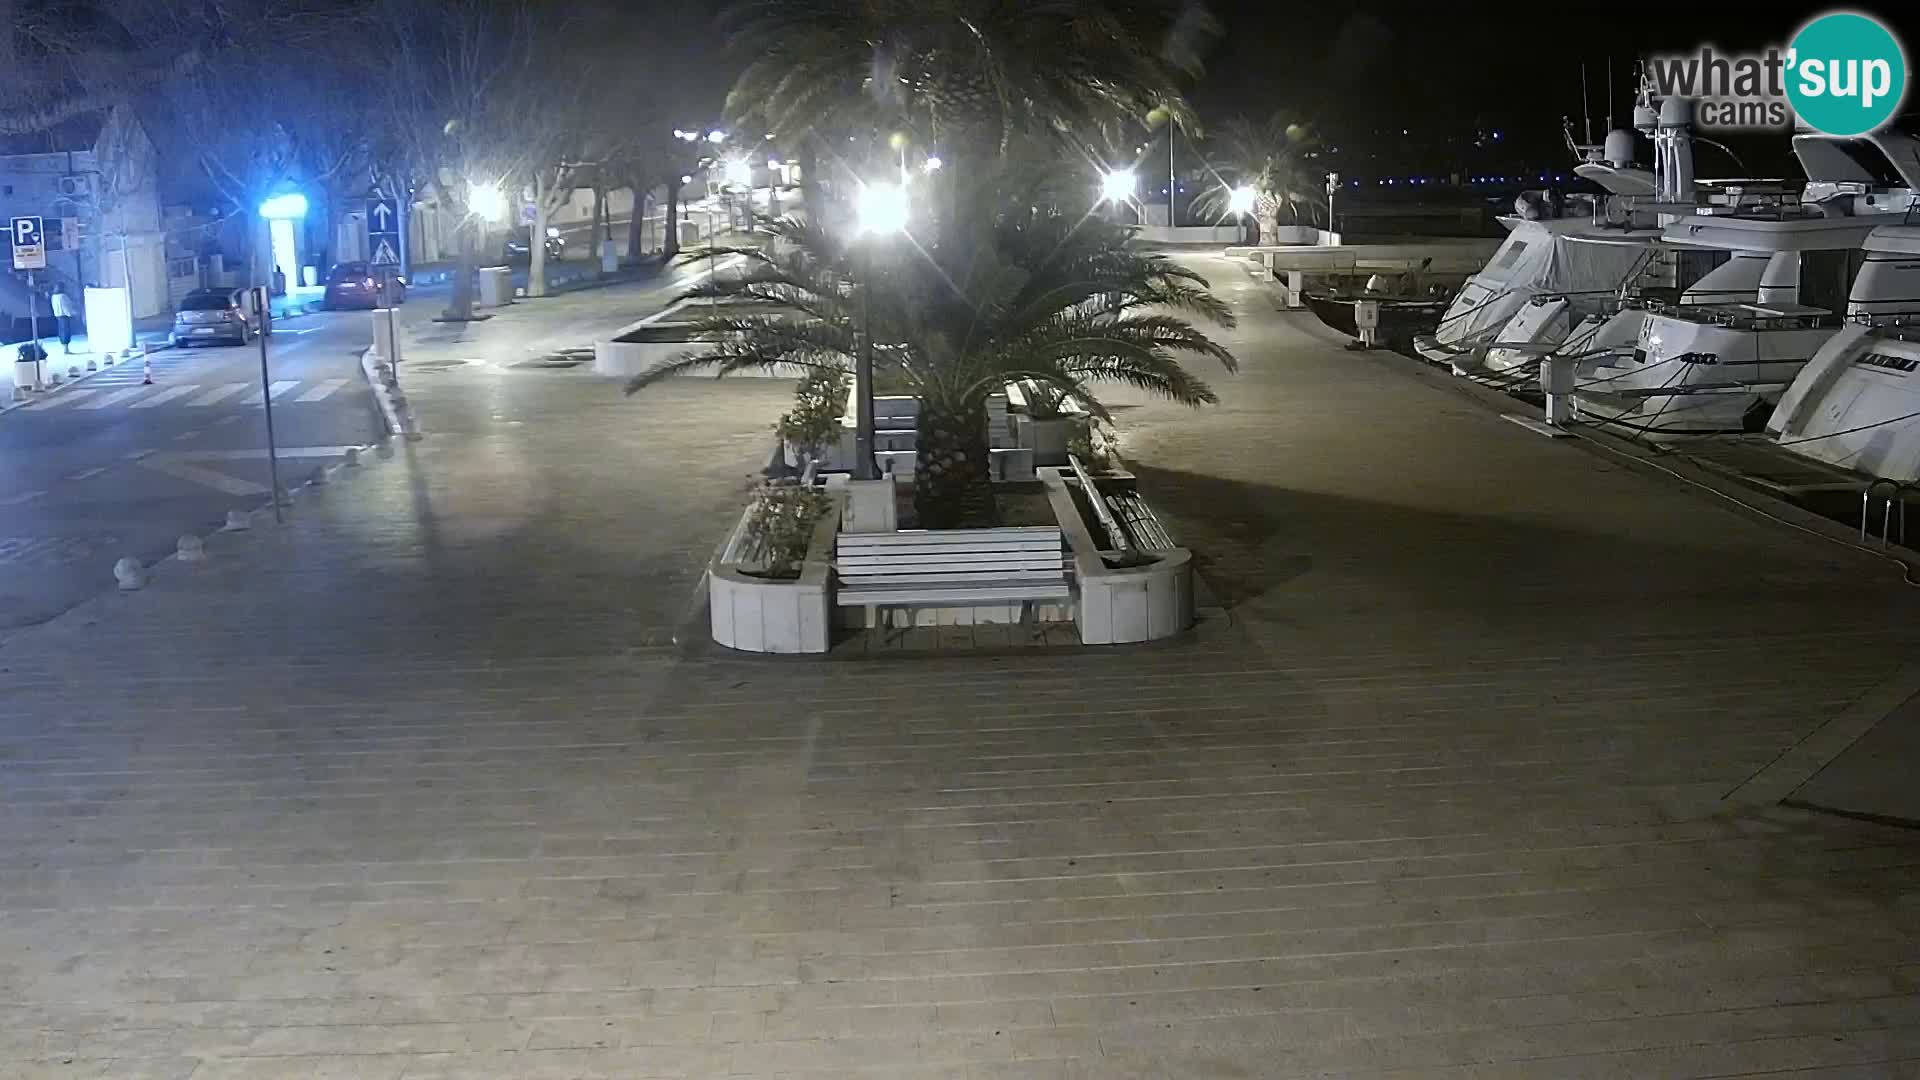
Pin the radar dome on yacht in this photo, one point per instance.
(1619, 148)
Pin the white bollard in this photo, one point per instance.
(238, 521)
(129, 574)
(319, 476)
(191, 549)
(73, 371)
(352, 460)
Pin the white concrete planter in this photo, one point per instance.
(1049, 437)
(764, 615)
(1115, 605)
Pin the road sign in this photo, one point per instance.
(529, 213)
(385, 251)
(29, 243)
(383, 216)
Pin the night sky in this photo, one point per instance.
(1354, 67)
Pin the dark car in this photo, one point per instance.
(216, 317)
(355, 285)
(517, 251)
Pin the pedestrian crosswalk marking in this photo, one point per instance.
(320, 392)
(138, 395)
(214, 395)
(115, 397)
(166, 395)
(68, 398)
(274, 390)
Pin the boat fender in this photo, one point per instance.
(1814, 379)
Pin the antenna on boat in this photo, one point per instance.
(1609, 93)
(1586, 113)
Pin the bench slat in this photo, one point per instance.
(1023, 577)
(949, 536)
(924, 597)
(970, 562)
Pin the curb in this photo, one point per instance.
(395, 409)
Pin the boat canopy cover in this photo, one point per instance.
(1550, 261)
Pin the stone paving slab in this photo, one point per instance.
(418, 786)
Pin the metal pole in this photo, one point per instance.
(713, 264)
(863, 464)
(33, 314)
(1172, 185)
(266, 402)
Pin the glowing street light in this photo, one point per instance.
(1241, 200)
(488, 201)
(1117, 185)
(933, 164)
(284, 207)
(882, 209)
(738, 172)
(716, 136)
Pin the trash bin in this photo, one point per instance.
(496, 286)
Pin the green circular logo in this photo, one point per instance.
(1846, 73)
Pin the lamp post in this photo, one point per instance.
(882, 211)
(1333, 185)
(1240, 202)
(1116, 186)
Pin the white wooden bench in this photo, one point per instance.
(949, 568)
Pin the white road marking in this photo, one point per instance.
(274, 390)
(230, 418)
(194, 474)
(117, 397)
(166, 395)
(185, 435)
(70, 397)
(213, 396)
(137, 455)
(185, 465)
(297, 333)
(88, 474)
(322, 391)
(25, 496)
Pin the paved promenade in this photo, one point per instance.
(1473, 774)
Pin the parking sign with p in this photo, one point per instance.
(29, 243)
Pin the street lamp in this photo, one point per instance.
(933, 164)
(881, 211)
(716, 136)
(1117, 185)
(1241, 200)
(488, 201)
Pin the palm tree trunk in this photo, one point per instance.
(952, 484)
(670, 245)
(637, 223)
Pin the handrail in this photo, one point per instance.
(1896, 493)
(1099, 504)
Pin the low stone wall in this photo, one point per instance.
(1116, 605)
(764, 615)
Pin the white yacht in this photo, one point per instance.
(1717, 357)
(1553, 272)
(1856, 404)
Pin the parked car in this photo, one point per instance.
(216, 316)
(516, 250)
(354, 284)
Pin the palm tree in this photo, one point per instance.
(1032, 295)
(1268, 156)
(965, 76)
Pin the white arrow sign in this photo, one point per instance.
(382, 217)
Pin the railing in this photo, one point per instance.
(1891, 493)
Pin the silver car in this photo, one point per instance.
(216, 316)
